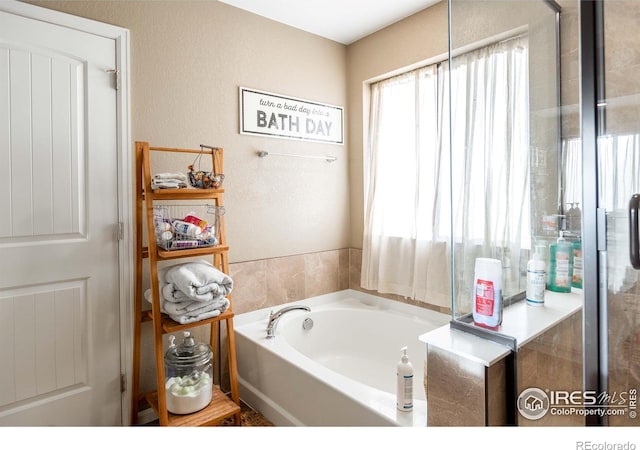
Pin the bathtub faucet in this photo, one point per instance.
(275, 316)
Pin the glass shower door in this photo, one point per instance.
(618, 163)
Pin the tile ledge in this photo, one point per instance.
(521, 321)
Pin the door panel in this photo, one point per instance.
(42, 329)
(43, 156)
(59, 284)
(619, 179)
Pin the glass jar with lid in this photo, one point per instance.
(188, 375)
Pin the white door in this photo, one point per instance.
(59, 274)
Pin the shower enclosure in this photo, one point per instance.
(611, 169)
(505, 138)
(545, 142)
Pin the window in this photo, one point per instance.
(407, 128)
(409, 187)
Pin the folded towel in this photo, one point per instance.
(191, 310)
(198, 281)
(174, 295)
(178, 176)
(190, 319)
(194, 308)
(167, 184)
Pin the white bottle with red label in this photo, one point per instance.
(487, 293)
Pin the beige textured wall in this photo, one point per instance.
(188, 59)
(414, 40)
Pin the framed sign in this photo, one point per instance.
(279, 116)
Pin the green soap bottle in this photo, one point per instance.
(576, 250)
(560, 266)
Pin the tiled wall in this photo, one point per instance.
(624, 337)
(553, 361)
(275, 281)
(463, 392)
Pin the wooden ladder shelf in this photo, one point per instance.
(222, 406)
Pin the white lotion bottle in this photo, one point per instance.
(404, 398)
(536, 279)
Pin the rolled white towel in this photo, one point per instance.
(171, 294)
(199, 280)
(197, 310)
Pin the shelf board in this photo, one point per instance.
(188, 252)
(185, 194)
(171, 326)
(219, 409)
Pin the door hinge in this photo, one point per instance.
(116, 74)
(120, 232)
(601, 229)
(123, 383)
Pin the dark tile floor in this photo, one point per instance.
(248, 418)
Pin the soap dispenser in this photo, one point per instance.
(574, 221)
(404, 373)
(560, 265)
(571, 216)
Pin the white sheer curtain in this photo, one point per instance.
(618, 180)
(408, 232)
(572, 167)
(618, 170)
(405, 248)
(490, 156)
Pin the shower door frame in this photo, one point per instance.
(594, 325)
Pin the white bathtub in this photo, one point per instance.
(342, 372)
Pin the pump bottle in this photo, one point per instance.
(560, 265)
(404, 373)
(536, 279)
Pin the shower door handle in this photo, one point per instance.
(634, 241)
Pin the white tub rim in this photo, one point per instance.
(381, 403)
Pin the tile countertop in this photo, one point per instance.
(521, 321)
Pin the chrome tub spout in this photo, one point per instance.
(275, 316)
